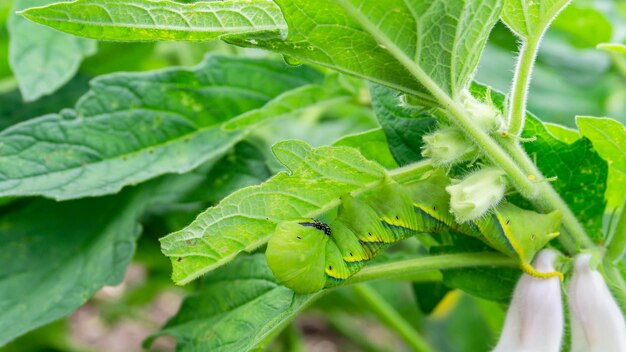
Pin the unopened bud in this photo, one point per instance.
(477, 193)
(596, 320)
(534, 320)
(486, 115)
(447, 146)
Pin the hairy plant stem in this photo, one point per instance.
(390, 317)
(521, 83)
(410, 267)
(493, 150)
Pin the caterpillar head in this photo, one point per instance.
(296, 254)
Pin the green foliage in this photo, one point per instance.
(580, 173)
(529, 19)
(142, 20)
(244, 220)
(332, 91)
(132, 127)
(404, 125)
(391, 36)
(584, 27)
(373, 145)
(609, 140)
(53, 265)
(252, 308)
(41, 58)
(308, 254)
(562, 133)
(157, 148)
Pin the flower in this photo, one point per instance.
(534, 321)
(596, 319)
(476, 194)
(447, 146)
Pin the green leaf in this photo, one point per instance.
(429, 294)
(493, 284)
(252, 307)
(54, 264)
(583, 26)
(244, 220)
(609, 140)
(403, 124)
(13, 110)
(333, 91)
(42, 59)
(387, 44)
(372, 145)
(244, 165)
(581, 173)
(462, 327)
(530, 19)
(562, 133)
(144, 20)
(132, 127)
(488, 283)
(5, 70)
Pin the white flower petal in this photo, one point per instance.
(596, 319)
(534, 321)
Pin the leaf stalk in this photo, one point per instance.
(521, 84)
(410, 267)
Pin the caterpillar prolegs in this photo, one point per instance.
(308, 255)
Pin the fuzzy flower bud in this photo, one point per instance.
(534, 321)
(596, 320)
(447, 146)
(485, 114)
(477, 193)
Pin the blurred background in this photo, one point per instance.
(572, 77)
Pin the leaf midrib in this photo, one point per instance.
(236, 137)
(156, 26)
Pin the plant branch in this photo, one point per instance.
(521, 84)
(490, 148)
(410, 267)
(388, 315)
(519, 176)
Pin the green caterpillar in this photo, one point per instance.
(308, 255)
